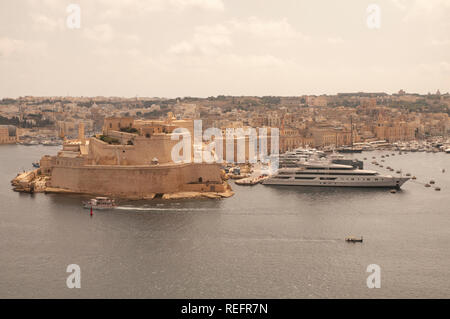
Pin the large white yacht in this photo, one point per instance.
(335, 175)
(290, 158)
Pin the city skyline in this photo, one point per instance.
(212, 47)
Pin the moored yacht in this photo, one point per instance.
(334, 175)
(298, 155)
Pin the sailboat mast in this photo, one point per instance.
(351, 131)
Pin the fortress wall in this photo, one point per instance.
(101, 153)
(123, 137)
(141, 153)
(46, 164)
(128, 180)
(116, 124)
(184, 124)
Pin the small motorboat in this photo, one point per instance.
(35, 164)
(100, 203)
(354, 240)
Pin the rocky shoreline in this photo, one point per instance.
(34, 182)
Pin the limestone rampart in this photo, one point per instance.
(138, 180)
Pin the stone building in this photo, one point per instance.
(8, 134)
(327, 136)
(394, 131)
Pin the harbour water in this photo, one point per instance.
(264, 242)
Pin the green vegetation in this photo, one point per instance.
(6, 121)
(421, 105)
(32, 120)
(271, 100)
(7, 101)
(155, 114)
(129, 130)
(109, 140)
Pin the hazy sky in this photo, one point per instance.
(171, 48)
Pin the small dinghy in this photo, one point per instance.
(354, 240)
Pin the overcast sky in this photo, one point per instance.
(171, 48)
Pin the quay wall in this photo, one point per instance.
(138, 180)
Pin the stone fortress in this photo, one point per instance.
(131, 159)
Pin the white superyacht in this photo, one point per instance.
(322, 173)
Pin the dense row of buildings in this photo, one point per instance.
(327, 120)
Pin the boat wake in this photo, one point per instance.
(176, 209)
(283, 239)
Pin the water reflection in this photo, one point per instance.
(266, 241)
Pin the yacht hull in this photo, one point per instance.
(350, 150)
(382, 182)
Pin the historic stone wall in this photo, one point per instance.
(46, 164)
(135, 180)
(141, 153)
(116, 124)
